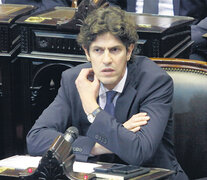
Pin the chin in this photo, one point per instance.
(108, 83)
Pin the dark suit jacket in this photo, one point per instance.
(197, 9)
(148, 89)
(40, 4)
(131, 5)
(43, 5)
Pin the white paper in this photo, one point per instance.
(84, 167)
(26, 161)
(20, 161)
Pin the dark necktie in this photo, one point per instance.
(151, 6)
(109, 107)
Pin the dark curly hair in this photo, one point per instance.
(108, 19)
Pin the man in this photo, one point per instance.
(41, 5)
(139, 130)
(166, 7)
(197, 9)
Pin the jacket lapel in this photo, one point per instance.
(123, 104)
(126, 98)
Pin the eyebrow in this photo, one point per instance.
(116, 46)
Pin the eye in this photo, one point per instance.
(97, 50)
(115, 50)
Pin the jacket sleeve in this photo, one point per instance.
(56, 119)
(197, 32)
(190, 8)
(50, 124)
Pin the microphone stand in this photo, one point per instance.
(56, 164)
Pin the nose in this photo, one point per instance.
(107, 59)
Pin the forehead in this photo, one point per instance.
(106, 40)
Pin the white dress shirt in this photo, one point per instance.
(165, 7)
(118, 88)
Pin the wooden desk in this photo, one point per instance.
(46, 167)
(154, 174)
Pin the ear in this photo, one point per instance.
(129, 51)
(86, 53)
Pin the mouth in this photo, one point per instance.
(107, 71)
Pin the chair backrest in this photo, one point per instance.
(190, 113)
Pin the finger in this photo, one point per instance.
(137, 119)
(136, 129)
(82, 75)
(86, 72)
(133, 125)
(141, 114)
(127, 125)
(134, 121)
(138, 124)
(96, 80)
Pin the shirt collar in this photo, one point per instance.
(118, 88)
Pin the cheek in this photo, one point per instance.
(96, 67)
(121, 66)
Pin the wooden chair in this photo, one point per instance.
(190, 113)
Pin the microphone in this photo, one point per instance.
(62, 146)
(59, 158)
(71, 134)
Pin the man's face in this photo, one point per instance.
(108, 57)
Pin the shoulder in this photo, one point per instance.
(142, 64)
(142, 69)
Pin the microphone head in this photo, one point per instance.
(71, 134)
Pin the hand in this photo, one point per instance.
(136, 121)
(99, 149)
(133, 124)
(88, 89)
